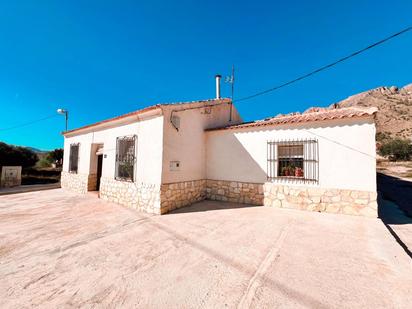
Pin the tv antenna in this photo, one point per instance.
(231, 80)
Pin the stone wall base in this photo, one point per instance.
(143, 197)
(180, 194)
(161, 199)
(75, 182)
(92, 182)
(350, 202)
(234, 191)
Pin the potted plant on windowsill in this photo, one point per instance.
(285, 171)
(288, 171)
(298, 172)
(292, 170)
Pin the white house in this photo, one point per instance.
(167, 156)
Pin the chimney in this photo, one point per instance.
(218, 77)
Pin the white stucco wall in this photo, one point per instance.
(188, 145)
(346, 152)
(149, 148)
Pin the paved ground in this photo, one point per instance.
(399, 224)
(398, 190)
(29, 188)
(395, 208)
(60, 249)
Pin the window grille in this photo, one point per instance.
(74, 158)
(294, 160)
(125, 158)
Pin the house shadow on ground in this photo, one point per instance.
(390, 213)
(208, 205)
(395, 202)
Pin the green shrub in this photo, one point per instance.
(382, 136)
(397, 149)
(44, 162)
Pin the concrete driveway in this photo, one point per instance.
(59, 249)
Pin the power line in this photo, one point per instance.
(326, 66)
(340, 144)
(28, 123)
(273, 88)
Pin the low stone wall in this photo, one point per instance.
(234, 191)
(350, 202)
(180, 194)
(75, 182)
(144, 197)
(10, 176)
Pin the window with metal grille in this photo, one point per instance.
(293, 160)
(74, 158)
(125, 158)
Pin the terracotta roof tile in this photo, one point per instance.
(144, 110)
(312, 114)
(140, 111)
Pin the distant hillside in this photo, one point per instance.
(36, 150)
(394, 117)
(40, 153)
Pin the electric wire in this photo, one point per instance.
(325, 66)
(273, 88)
(27, 123)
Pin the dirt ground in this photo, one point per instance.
(59, 249)
(400, 169)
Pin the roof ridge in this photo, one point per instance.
(195, 101)
(320, 110)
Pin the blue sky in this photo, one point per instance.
(100, 59)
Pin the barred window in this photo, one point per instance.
(74, 158)
(125, 158)
(296, 160)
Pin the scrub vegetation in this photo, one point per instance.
(396, 149)
(38, 167)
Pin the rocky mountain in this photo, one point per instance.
(394, 105)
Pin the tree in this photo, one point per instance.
(397, 149)
(16, 155)
(55, 155)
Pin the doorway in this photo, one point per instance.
(99, 170)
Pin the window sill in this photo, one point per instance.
(123, 179)
(293, 178)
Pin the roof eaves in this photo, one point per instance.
(141, 111)
(302, 118)
(96, 124)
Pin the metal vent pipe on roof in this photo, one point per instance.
(218, 77)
